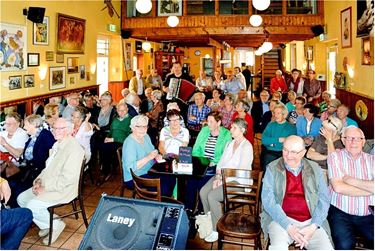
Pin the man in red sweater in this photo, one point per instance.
(295, 200)
(278, 83)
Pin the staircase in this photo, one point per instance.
(271, 63)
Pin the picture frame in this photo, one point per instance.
(365, 18)
(41, 32)
(70, 34)
(59, 58)
(15, 82)
(346, 27)
(33, 59)
(16, 51)
(29, 81)
(128, 55)
(72, 80)
(367, 55)
(57, 77)
(310, 53)
(72, 65)
(82, 72)
(49, 55)
(169, 8)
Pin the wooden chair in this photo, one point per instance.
(149, 189)
(75, 211)
(119, 158)
(236, 224)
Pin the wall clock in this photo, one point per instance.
(197, 52)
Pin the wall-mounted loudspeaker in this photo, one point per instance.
(35, 14)
(127, 224)
(125, 34)
(317, 30)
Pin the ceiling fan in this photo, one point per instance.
(111, 9)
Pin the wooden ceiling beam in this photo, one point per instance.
(215, 43)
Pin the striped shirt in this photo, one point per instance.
(341, 163)
(172, 144)
(209, 150)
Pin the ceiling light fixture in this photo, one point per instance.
(261, 4)
(146, 46)
(255, 20)
(143, 6)
(172, 21)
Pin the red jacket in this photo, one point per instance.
(278, 83)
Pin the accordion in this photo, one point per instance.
(180, 89)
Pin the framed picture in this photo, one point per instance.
(49, 55)
(70, 34)
(29, 81)
(15, 82)
(82, 72)
(368, 51)
(41, 32)
(365, 17)
(310, 53)
(56, 77)
(72, 80)
(128, 55)
(59, 58)
(13, 51)
(72, 65)
(33, 59)
(169, 8)
(346, 28)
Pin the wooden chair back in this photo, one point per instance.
(237, 194)
(146, 189)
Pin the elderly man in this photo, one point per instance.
(258, 110)
(146, 103)
(197, 113)
(296, 200)
(351, 174)
(154, 79)
(312, 89)
(73, 102)
(138, 84)
(278, 83)
(58, 182)
(232, 84)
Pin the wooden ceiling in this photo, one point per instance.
(235, 30)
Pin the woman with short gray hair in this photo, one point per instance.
(242, 108)
(154, 115)
(238, 154)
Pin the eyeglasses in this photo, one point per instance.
(172, 120)
(330, 122)
(58, 128)
(351, 139)
(286, 151)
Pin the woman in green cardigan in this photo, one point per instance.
(210, 143)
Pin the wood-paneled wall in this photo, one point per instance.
(350, 99)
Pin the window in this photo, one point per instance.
(102, 47)
(206, 7)
(234, 7)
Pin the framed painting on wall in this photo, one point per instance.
(13, 50)
(128, 56)
(72, 65)
(56, 77)
(15, 82)
(41, 32)
(70, 34)
(29, 81)
(82, 71)
(59, 58)
(368, 51)
(346, 28)
(365, 17)
(49, 55)
(72, 80)
(169, 8)
(32, 59)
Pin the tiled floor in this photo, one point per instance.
(75, 229)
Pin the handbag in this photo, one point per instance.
(204, 224)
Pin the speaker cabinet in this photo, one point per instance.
(317, 30)
(122, 223)
(36, 14)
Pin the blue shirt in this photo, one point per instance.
(200, 116)
(265, 107)
(276, 211)
(132, 152)
(233, 86)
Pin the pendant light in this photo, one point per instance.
(143, 6)
(172, 21)
(146, 46)
(261, 4)
(255, 20)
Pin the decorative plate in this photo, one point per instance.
(361, 110)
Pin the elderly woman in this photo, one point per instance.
(238, 154)
(13, 139)
(133, 102)
(51, 114)
(342, 113)
(227, 110)
(274, 136)
(173, 136)
(82, 129)
(210, 143)
(154, 114)
(292, 100)
(119, 131)
(327, 142)
(308, 125)
(331, 109)
(139, 154)
(242, 109)
(215, 103)
(298, 111)
(323, 106)
(170, 106)
(107, 112)
(33, 158)
(269, 116)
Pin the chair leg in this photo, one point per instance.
(83, 211)
(220, 242)
(50, 226)
(122, 190)
(75, 209)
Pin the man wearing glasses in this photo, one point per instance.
(351, 174)
(295, 200)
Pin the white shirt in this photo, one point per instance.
(242, 80)
(172, 144)
(300, 87)
(18, 140)
(83, 137)
(140, 86)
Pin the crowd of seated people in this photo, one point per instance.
(299, 140)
